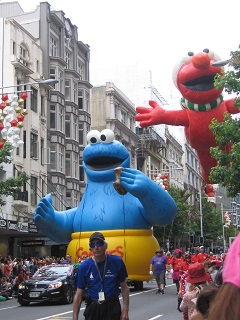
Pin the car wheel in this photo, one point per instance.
(23, 303)
(68, 295)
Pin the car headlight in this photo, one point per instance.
(55, 285)
(22, 286)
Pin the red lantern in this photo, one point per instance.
(1, 144)
(14, 123)
(20, 118)
(155, 175)
(24, 95)
(2, 106)
(1, 126)
(4, 97)
(166, 187)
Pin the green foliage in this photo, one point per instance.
(187, 221)
(10, 186)
(227, 134)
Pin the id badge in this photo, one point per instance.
(101, 296)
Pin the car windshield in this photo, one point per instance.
(52, 271)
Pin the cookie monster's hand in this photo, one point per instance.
(44, 213)
(159, 207)
(135, 182)
(58, 225)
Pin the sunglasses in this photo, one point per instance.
(96, 244)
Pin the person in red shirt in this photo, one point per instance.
(202, 256)
(194, 257)
(185, 263)
(176, 263)
(7, 270)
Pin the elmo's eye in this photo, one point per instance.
(188, 58)
(107, 136)
(93, 137)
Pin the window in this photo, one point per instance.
(60, 119)
(67, 89)
(42, 106)
(61, 155)
(74, 92)
(80, 133)
(34, 181)
(53, 163)
(123, 117)
(34, 100)
(67, 59)
(52, 117)
(53, 47)
(67, 126)
(53, 75)
(74, 125)
(60, 79)
(87, 102)
(75, 164)
(33, 146)
(37, 65)
(81, 171)
(131, 123)
(13, 47)
(80, 70)
(68, 164)
(24, 55)
(80, 99)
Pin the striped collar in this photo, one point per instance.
(201, 107)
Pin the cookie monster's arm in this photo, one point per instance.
(159, 206)
(57, 225)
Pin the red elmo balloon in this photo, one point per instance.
(201, 102)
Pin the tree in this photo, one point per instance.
(10, 186)
(227, 134)
(187, 222)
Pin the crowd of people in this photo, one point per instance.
(207, 285)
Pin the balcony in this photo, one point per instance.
(21, 199)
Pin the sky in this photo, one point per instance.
(135, 43)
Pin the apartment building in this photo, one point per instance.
(39, 45)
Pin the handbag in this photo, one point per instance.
(179, 302)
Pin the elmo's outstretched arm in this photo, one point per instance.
(230, 106)
(158, 115)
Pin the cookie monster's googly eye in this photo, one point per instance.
(93, 137)
(107, 136)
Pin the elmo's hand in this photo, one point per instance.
(150, 116)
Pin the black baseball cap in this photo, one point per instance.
(96, 235)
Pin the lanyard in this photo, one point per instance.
(104, 269)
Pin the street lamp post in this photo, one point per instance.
(223, 230)
(42, 82)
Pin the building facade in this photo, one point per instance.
(111, 109)
(38, 45)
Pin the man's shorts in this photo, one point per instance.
(160, 277)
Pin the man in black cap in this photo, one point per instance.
(158, 263)
(102, 275)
